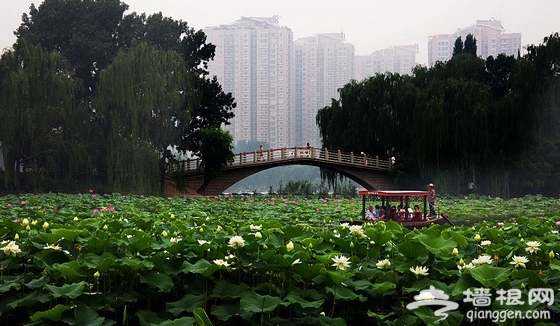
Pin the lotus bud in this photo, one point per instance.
(258, 236)
(96, 274)
(28, 228)
(265, 246)
(16, 237)
(201, 230)
(290, 246)
(172, 216)
(522, 240)
(551, 254)
(164, 234)
(455, 252)
(477, 238)
(25, 222)
(351, 244)
(46, 225)
(461, 262)
(105, 227)
(310, 245)
(522, 286)
(76, 219)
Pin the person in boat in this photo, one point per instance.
(417, 214)
(432, 199)
(381, 216)
(401, 212)
(370, 214)
(393, 213)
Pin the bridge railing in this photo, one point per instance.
(281, 154)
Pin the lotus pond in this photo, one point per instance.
(90, 259)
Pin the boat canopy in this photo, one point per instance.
(395, 193)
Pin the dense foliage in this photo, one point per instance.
(493, 121)
(89, 259)
(89, 95)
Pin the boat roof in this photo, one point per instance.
(394, 193)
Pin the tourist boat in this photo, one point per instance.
(391, 199)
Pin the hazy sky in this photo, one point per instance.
(369, 25)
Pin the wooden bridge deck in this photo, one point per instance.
(301, 154)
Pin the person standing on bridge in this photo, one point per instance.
(308, 150)
(261, 153)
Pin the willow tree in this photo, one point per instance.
(371, 116)
(140, 101)
(216, 154)
(36, 92)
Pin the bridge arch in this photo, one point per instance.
(370, 172)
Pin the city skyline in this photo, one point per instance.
(368, 26)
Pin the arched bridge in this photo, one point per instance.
(371, 172)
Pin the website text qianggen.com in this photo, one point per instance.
(499, 316)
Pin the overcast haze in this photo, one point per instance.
(369, 25)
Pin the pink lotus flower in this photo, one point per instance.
(500, 224)
(557, 223)
(23, 202)
(95, 211)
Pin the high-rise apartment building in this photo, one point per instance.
(490, 36)
(399, 59)
(323, 63)
(254, 61)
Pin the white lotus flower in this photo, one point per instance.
(290, 246)
(485, 243)
(255, 227)
(297, 261)
(221, 262)
(519, 261)
(341, 262)
(52, 246)
(532, 246)
(11, 249)
(482, 259)
(356, 230)
(467, 266)
(203, 242)
(236, 242)
(419, 270)
(382, 264)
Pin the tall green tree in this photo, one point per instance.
(213, 109)
(216, 154)
(36, 97)
(470, 45)
(81, 30)
(458, 46)
(139, 103)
